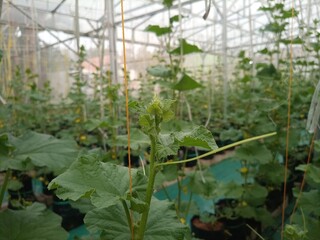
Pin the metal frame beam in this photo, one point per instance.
(53, 35)
(58, 6)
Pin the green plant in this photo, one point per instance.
(294, 232)
(33, 222)
(21, 155)
(241, 203)
(28, 105)
(128, 194)
(171, 74)
(305, 221)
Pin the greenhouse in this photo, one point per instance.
(159, 119)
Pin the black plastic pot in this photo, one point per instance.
(235, 229)
(24, 194)
(71, 217)
(274, 199)
(135, 161)
(207, 231)
(47, 178)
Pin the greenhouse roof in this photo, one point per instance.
(54, 20)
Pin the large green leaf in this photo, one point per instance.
(230, 134)
(185, 48)
(316, 145)
(159, 31)
(230, 190)
(310, 225)
(112, 223)
(83, 205)
(312, 171)
(35, 222)
(159, 71)
(271, 173)
(258, 213)
(167, 173)
(167, 3)
(138, 140)
(296, 40)
(197, 136)
(310, 202)
(104, 183)
(4, 145)
(92, 124)
(254, 153)
(203, 183)
(255, 194)
(275, 27)
(175, 126)
(186, 83)
(166, 146)
(42, 151)
(175, 18)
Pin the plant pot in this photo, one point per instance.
(207, 231)
(135, 161)
(46, 179)
(235, 228)
(274, 199)
(24, 194)
(71, 217)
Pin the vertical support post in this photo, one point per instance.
(225, 59)
(76, 25)
(251, 40)
(102, 55)
(1, 2)
(112, 40)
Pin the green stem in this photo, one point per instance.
(188, 206)
(149, 191)
(166, 193)
(179, 196)
(219, 149)
(126, 209)
(4, 186)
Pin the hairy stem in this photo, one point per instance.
(149, 192)
(126, 209)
